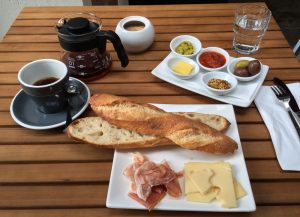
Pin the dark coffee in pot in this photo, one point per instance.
(45, 81)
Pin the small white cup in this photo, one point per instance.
(49, 97)
(139, 40)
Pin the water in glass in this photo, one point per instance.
(251, 22)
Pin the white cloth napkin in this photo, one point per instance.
(283, 133)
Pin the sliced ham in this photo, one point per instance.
(173, 187)
(157, 194)
(137, 160)
(151, 181)
(150, 174)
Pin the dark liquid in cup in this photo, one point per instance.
(134, 26)
(45, 81)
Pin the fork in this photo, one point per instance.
(285, 98)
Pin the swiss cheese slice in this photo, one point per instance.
(202, 198)
(239, 190)
(222, 179)
(200, 181)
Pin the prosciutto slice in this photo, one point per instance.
(173, 187)
(156, 195)
(150, 181)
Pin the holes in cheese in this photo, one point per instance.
(183, 68)
(207, 181)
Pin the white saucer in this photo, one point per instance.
(25, 113)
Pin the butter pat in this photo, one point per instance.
(207, 181)
(183, 68)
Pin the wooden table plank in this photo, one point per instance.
(155, 21)
(133, 8)
(258, 149)
(242, 116)
(47, 30)
(162, 37)
(149, 56)
(39, 153)
(262, 211)
(184, 99)
(280, 63)
(152, 55)
(13, 135)
(64, 173)
(11, 49)
(121, 14)
(146, 77)
(63, 153)
(164, 46)
(94, 195)
(154, 89)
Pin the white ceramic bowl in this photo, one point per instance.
(177, 40)
(214, 49)
(219, 75)
(136, 41)
(231, 66)
(174, 60)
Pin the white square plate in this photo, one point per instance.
(176, 157)
(242, 96)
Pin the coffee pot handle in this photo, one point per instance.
(116, 41)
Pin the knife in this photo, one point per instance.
(293, 103)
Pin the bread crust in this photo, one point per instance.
(150, 120)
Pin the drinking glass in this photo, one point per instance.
(250, 24)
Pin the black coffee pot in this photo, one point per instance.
(84, 45)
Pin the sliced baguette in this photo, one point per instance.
(215, 121)
(96, 131)
(149, 120)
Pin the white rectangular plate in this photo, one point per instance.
(194, 84)
(176, 157)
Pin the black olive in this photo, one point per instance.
(241, 72)
(254, 67)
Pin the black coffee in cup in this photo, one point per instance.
(45, 81)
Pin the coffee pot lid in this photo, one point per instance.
(78, 27)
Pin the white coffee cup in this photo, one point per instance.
(45, 82)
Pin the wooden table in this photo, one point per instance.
(44, 173)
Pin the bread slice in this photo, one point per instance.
(215, 121)
(96, 131)
(149, 120)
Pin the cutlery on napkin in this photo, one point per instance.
(293, 104)
(283, 134)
